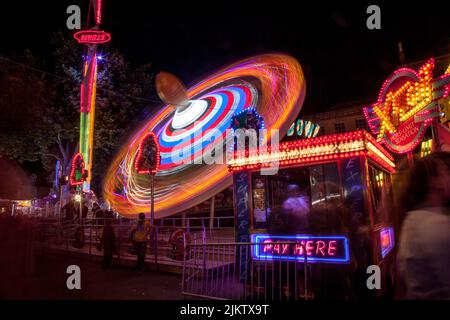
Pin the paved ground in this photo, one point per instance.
(49, 282)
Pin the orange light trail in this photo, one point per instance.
(280, 85)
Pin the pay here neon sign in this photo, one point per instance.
(318, 249)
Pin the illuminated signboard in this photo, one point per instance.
(303, 128)
(148, 158)
(318, 249)
(386, 240)
(92, 36)
(78, 173)
(407, 104)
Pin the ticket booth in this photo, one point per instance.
(324, 193)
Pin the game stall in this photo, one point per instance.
(321, 198)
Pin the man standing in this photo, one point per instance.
(108, 244)
(140, 242)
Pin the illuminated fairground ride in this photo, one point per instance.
(272, 84)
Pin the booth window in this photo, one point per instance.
(321, 131)
(283, 203)
(361, 124)
(380, 185)
(339, 127)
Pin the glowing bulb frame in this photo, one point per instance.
(154, 139)
(314, 150)
(74, 182)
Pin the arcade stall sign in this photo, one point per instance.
(316, 249)
(78, 172)
(303, 129)
(407, 104)
(92, 36)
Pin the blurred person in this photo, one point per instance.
(297, 207)
(108, 244)
(84, 212)
(329, 281)
(108, 215)
(69, 211)
(97, 213)
(140, 241)
(19, 277)
(424, 248)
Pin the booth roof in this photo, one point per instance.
(308, 151)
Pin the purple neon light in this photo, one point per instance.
(259, 238)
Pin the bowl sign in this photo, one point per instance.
(407, 104)
(92, 36)
(317, 249)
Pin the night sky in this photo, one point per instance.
(342, 60)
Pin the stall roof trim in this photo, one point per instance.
(314, 150)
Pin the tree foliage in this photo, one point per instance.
(39, 110)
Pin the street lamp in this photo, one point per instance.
(77, 197)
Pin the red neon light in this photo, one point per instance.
(317, 248)
(360, 135)
(137, 163)
(404, 107)
(385, 240)
(92, 36)
(98, 11)
(77, 163)
(87, 86)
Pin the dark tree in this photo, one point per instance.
(39, 110)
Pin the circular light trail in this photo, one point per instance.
(272, 83)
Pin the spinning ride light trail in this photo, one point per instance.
(273, 84)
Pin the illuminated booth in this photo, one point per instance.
(322, 195)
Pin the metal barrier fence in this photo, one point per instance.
(84, 237)
(207, 222)
(228, 271)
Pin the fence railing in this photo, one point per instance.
(83, 236)
(207, 222)
(229, 271)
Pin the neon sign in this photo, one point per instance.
(303, 128)
(406, 106)
(78, 173)
(386, 240)
(318, 249)
(148, 157)
(92, 36)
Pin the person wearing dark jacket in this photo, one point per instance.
(140, 242)
(97, 213)
(423, 256)
(84, 212)
(69, 211)
(108, 244)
